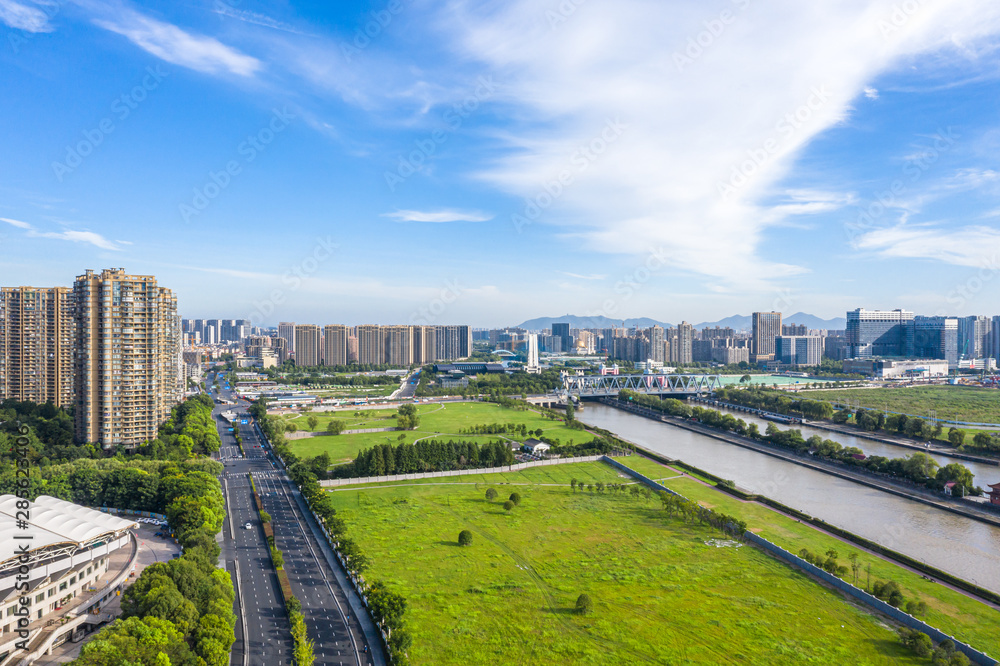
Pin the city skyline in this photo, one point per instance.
(210, 144)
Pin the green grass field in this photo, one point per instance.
(952, 612)
(958, 403)
(661, 594)
(444, 420)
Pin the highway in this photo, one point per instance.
(343, 632)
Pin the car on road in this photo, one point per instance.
(246, 526)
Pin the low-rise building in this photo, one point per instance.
(896, 368)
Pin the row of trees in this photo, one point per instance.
(776, 401)
(427, 455)
(918, 468)
(177, 612)
(516, 429)
(387, 607)
(493, 385)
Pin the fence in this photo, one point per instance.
(937, 635)
(331, 483)
(903, 618)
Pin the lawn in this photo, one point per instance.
(661, 594)
(971, 404)
(952, 612)
(444, 420)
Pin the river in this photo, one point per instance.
(961, 546)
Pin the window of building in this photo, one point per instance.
(62, 586)
(40, 597)
(52, 592)
(72, 581)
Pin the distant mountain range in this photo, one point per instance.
(545, 323)
(736, 322)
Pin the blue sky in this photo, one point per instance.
(489, 162)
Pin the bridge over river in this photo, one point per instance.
(600, 386)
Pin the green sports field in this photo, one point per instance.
(444, 420)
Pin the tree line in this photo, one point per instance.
(918, 468)
(427, 455)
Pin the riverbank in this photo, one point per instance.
(952, 505)
(854, 431)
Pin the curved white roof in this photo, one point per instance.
(54, 521)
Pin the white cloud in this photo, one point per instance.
(699, 108)
(976, 246)
(592, 276)
(447, 215)
(74, 236)
(17, 223)
(871, 93)
(23, 17)
(255, 18)
(167, 41)
(90, 237)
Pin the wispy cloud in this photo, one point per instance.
(72, 235)
(592, 276)
(447, 215)
(17, 223)
(23, 17)
(167, 41)
(871, 93)
(976, 246)
(254, 18)
(699, 112)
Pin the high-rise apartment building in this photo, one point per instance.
(128, 365)
(424, 344)
(995, 338)
(794, 329)
(933, 338)
(798, 349)
(335, 345)
(532, 364)
(370, 345)
(307, 345)
(879, 333)
(974, 337)
(657, 346)
(36, 344)
(561, 330)
(766, 327)
(455, 342)
(286, 331)
(685, 342)
(398, 345)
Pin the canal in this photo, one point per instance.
(961, 546)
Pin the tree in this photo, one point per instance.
(584, 604)
(491, 494)
(515, 498)
(508, 506)
(465, 538)
(956, 437)
(570, 410)
(919, 642)
(279, 559)
(311, 421)
(573, 483)
(955, 473)
(265, 517)
(920, 466)
(335, 426)
(406, 417)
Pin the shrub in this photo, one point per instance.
(515, 498)
(491, 494)
(584, 604)
(465, 538)
(508, 506)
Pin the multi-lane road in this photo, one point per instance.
(335, 619)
